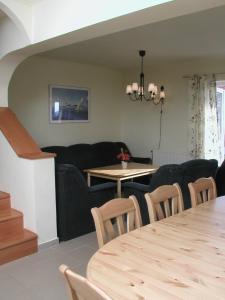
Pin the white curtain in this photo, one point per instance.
(204, 132)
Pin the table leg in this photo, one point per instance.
(89, 179)
(118, 188)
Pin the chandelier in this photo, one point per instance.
(137, 92)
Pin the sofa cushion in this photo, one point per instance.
(105, 153)
(82, 156)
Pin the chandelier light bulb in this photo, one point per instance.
(134, 87)
(151, 87)
(155, 91)
(162, 95)
(128, 89)
(136, 91)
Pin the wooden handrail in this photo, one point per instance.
(18, 137)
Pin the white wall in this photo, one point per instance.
(20, 14)
(113, 115)
(31, 184)
(45, 205)
(140, 121)
(52, 19)
(11, 35)
(29, 99)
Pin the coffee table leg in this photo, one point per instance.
(119, 188)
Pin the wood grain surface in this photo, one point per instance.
(118, 172)
(180, 257)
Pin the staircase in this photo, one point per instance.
(15, 241)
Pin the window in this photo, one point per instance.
(220, 97)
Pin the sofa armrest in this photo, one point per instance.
(136, 186)
(141, 160)
(102, 187)
(99, 194)
(71, 177)
(72, 203)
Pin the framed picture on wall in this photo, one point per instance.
(69, 104)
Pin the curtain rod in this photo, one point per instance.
(188, 76)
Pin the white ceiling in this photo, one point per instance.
(199, 35)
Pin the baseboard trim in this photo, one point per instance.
(48, 244)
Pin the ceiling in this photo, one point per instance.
(200, 35)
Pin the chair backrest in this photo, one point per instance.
(80, 288)
(165, 201)
(125, 211)
(202, 190)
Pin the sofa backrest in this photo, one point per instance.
(63, 155)
(85, 156)
(167, 174)
(220, 180)
(105, 153)
(183, 174)
(82, 156)
(194, 169)
(74, 174)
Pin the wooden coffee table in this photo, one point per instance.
(118, 174)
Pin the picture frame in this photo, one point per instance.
(68, 104)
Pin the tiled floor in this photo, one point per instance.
(36, 277)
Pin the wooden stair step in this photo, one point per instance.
(17, 239)
(11, 223)
(9, 214)
(19, 246)
(4, 201)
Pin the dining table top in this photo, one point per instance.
(180, 257)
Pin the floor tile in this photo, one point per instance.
(36, 277)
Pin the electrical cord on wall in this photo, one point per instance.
(160, 126)
(160, 132)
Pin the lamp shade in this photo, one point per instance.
(155, 91)
(162, 95)
(151, 87)
(134, 87)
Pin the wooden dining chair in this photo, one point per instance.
(126, 213)
(202, 190)
(81, 288)
(165, 201)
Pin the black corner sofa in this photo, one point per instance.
(168, 174)
(220, 180)
(74, 199)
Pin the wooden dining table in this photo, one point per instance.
(180, 257)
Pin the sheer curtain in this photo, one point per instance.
(205, 140)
